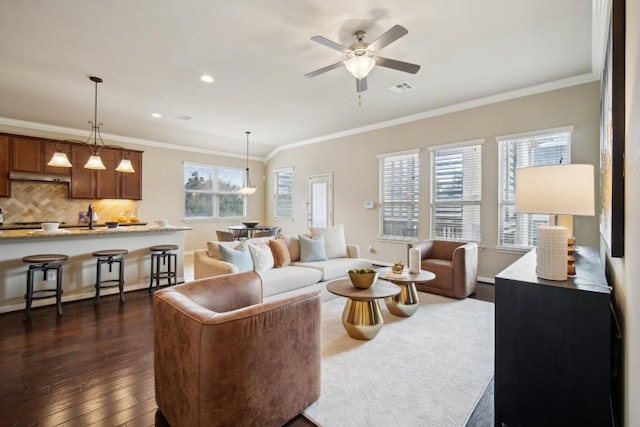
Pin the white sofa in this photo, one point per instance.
(295, 274)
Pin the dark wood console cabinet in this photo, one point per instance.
(552, 345)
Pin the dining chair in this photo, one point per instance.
(224, 236)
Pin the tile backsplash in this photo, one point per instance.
(44, 201)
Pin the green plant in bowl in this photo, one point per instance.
(363, 278)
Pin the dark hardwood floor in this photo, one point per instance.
(93, 366)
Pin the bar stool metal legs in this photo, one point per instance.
(161, 255)
(44, 263)
(109, 257)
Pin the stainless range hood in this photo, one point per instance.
(42, 177)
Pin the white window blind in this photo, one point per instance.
(519, 230)
(399, 173)
(212, 192)
(456, 193)
(283, 193)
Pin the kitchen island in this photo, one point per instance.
(79, 272)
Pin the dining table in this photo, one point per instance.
(247, 232)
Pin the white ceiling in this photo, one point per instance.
(151, 54)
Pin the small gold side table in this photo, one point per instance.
(407, 301)
(361, 316)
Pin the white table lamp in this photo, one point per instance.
(557, 190)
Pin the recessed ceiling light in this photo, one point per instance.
(207, 78)
(156, 115)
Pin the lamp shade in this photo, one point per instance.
(125, 166)
(60, 160)
(95, 162)
(556, 190)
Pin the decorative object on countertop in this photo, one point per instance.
(61, 160)
(363, 278)
(161, 223)
(112, 224)
(1, 217)
(398, 267)
(248, 189)
(44, 263)
(49, 226)
(251, 224)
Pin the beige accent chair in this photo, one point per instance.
(455, 265)
(224, 236)
(223, 357)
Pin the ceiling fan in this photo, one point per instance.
(361, 56)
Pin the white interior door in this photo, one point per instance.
(320, 203)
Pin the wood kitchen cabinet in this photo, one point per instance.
(5, 187)
(108, 183)
(552, 345)
(32, 155)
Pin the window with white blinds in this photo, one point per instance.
(456, 192)
(399, 173)
(283, 193)
(518, 230)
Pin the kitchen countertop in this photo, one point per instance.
(67, 232)
(64, 225)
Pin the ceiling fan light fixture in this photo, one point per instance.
(360, 63)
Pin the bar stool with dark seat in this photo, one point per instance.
(163, 253)
(44, 263)
(109, 257)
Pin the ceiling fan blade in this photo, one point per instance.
(361, 85)
(323, 69)
(397, 65)
(328, 43)
(387, 38)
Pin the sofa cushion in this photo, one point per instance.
(335, 268)
(294, 246)
(262, 256)
(213, 248)
(280, 251)
(240, 257)
(312, 249)
(334, 240)
(278, 280)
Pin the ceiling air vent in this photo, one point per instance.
(401, 87)
(184, 118)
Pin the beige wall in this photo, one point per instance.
(353, 162)
(162, 191)
(624, 272)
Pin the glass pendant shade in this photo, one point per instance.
(248, 189)
(360, 64)
(125, 166)
(95, 162)
(60, 160)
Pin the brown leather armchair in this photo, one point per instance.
(455, 265)
(222, 357)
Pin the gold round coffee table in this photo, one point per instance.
(407, 301)
(361, 316)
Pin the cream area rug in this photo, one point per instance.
(426, 370)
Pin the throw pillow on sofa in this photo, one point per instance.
(262, 256)
(312, 249)
(240, 257)
(335, 242)
(280, 251)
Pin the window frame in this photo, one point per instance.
(383, 202)
(475, 143)
(524, 221)
(214, 192)
(277, 194)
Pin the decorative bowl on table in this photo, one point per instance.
(49, 226)
(363, 278)
(112, 224)
(251, 224)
